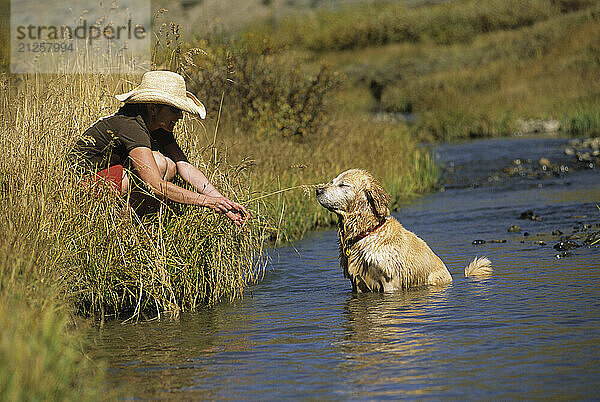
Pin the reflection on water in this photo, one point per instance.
(531, 330)
(382, 349)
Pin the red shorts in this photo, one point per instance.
(112, 177)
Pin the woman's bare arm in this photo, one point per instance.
(145, 165)
(194, 176)
(189, 172)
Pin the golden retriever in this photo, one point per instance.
(376, 252)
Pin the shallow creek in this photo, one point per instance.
(531, 330)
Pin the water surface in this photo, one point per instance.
(532, 330)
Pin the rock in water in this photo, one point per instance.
(545, 163)
(529, 215)
(565, 245)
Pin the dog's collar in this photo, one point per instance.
(361, 236)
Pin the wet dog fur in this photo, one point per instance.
(376, 252)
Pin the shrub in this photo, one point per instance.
(248, 83)
(264, 93)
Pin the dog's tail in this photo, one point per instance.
(479, 266)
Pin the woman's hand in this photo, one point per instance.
(234, 211)
(239, 215)
(220, 205)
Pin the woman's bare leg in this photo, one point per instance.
(141, 201)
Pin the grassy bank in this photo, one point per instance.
(463, 69)
(41, 353)
(67, 251)
(367, 25)
(546, 71)
(42, 357)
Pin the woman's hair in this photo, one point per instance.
(133, 109)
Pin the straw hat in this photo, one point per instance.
(167, 88)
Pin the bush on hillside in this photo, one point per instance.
(262, 92)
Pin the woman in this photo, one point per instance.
(139, 137)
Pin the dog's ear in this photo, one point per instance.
(379, 199)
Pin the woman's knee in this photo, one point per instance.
(171, 169)
(166, 166)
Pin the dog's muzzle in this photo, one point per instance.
(322, 196)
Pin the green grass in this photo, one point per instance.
(583, 120)
(377, 24)
(482, 88)
(41, 356)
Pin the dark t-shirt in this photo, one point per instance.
(108, 141)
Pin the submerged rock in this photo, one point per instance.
(566, 245)
(514, 229)
(526, 168)
(564, 254)
(529, 215)
(586, 151)
(481, 241)
(586, 143)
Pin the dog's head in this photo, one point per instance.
(355, 193)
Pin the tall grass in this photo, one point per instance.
(583, 120)
(387, 150)
(66, 250)
(110, 262)
(41, 357)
